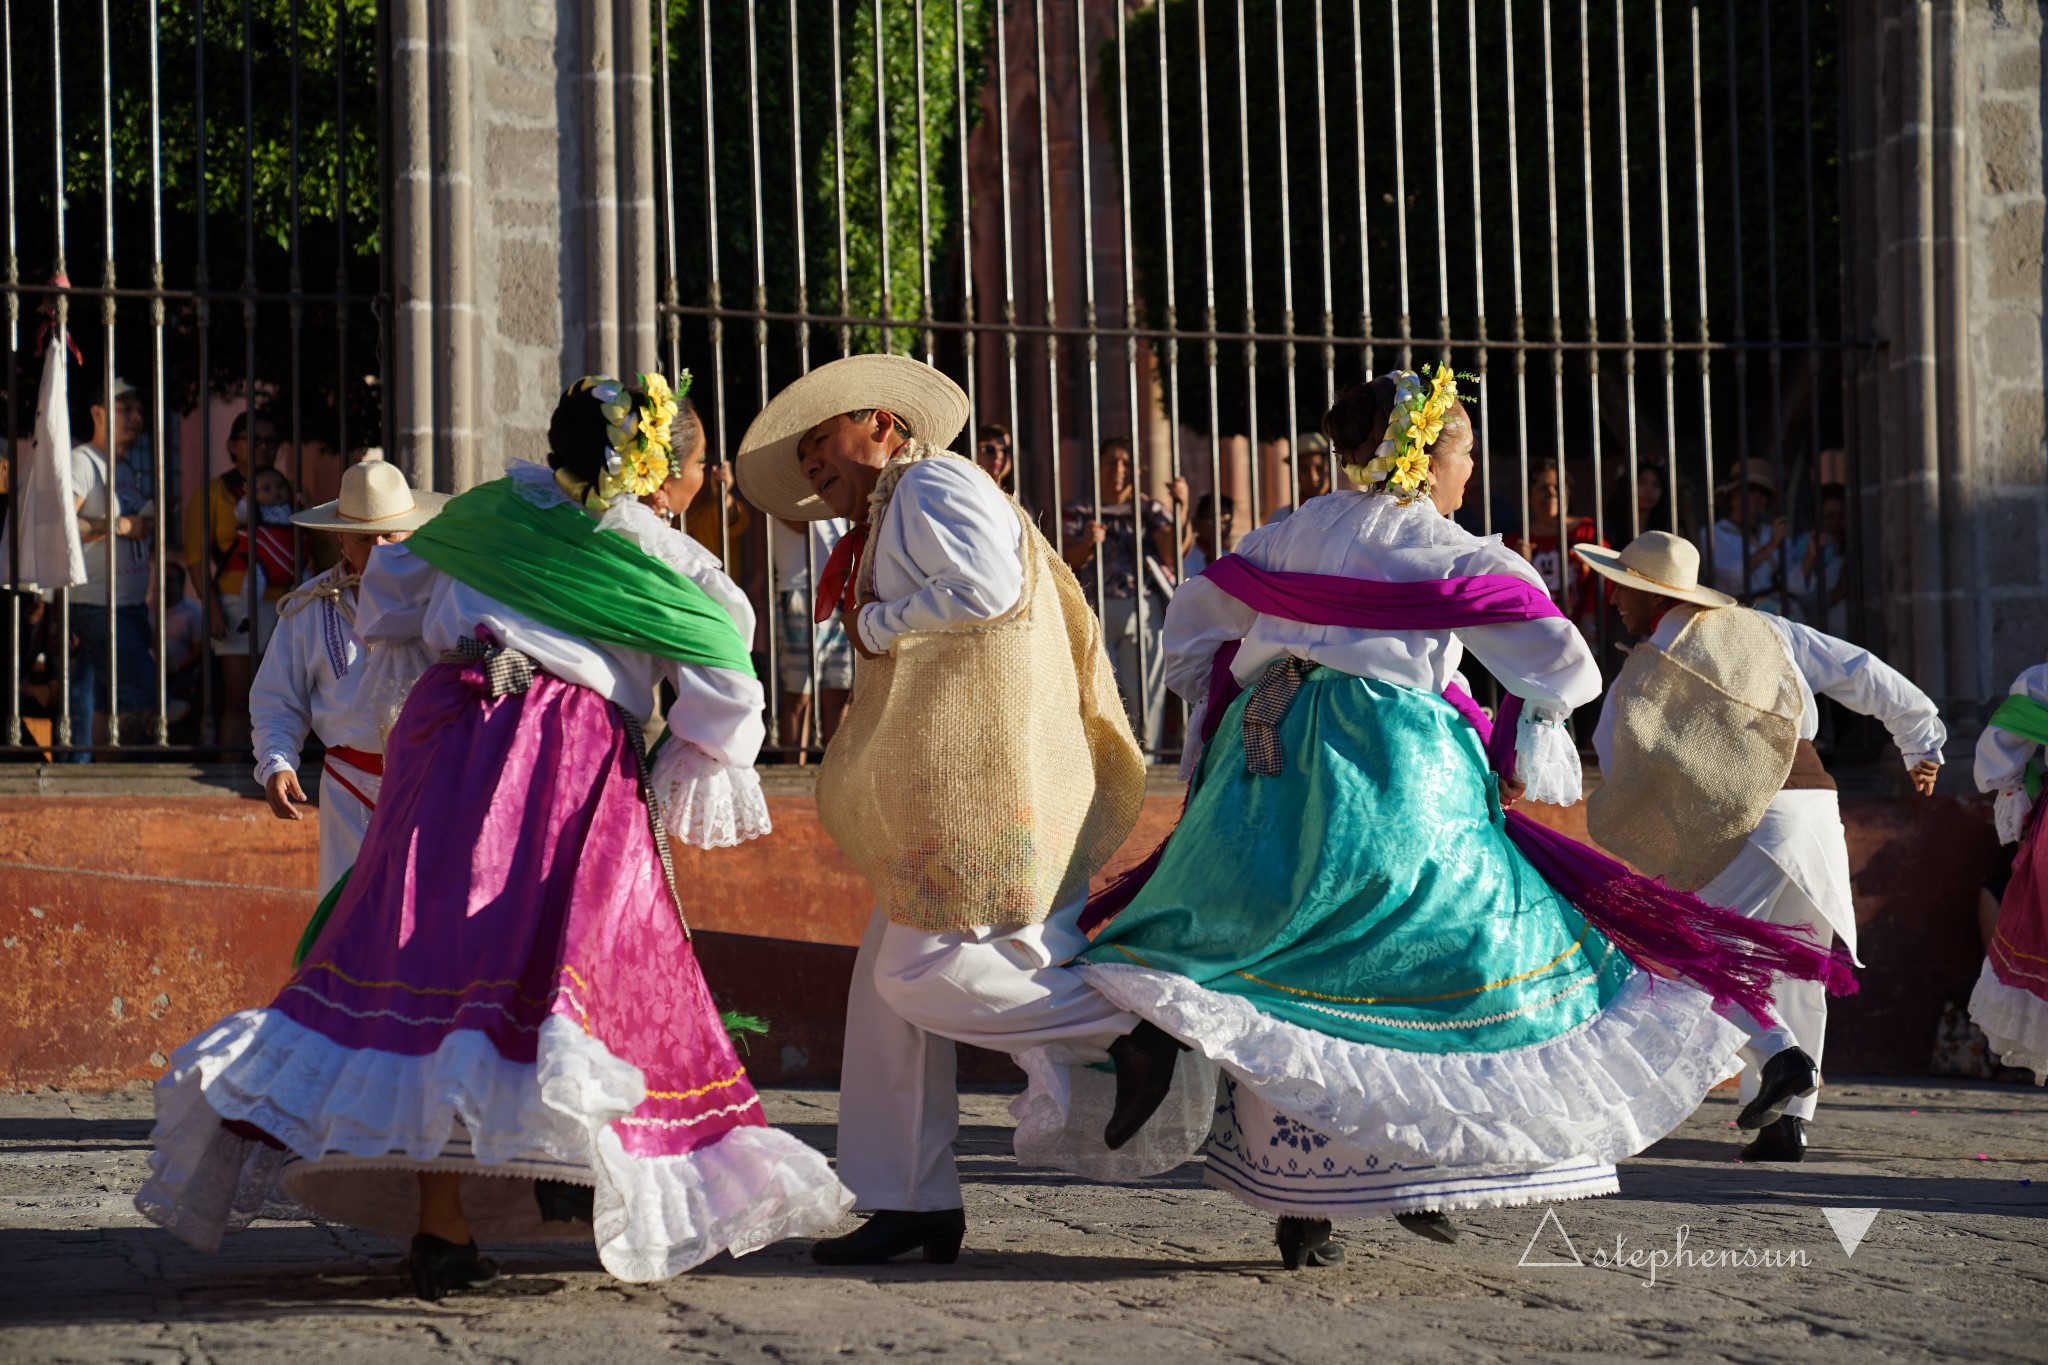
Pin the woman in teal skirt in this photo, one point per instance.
(1407, 1018)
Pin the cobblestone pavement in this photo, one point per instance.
(1954, 1264)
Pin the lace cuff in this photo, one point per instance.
(2010, 814)
(706, 803)
(1546, 759)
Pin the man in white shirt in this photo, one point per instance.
(977, 899)
(1792, 868)
(313, 670)
(113, 640)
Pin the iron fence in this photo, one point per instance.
(1192, 223)
(1185, 225)
(193, 196)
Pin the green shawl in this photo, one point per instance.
(556, 566)
(2027, 718)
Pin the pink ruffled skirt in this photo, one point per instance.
(504, 990)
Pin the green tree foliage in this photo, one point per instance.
(801, 181)
(289, 196)
(1746, 52)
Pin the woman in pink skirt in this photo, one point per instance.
(501, 1030)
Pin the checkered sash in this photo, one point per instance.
(1264, 712)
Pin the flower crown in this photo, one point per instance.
(637, 424)
(1422, 412)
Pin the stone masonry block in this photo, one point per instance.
(540, 218)
(2015, 458)
(2009, 145)
(2009, 254)
(2018, 627)
(2019, 69)
(522, 161)
(2009, 343)
(529, 294)
(2012, 535)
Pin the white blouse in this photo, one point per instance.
(948, 549)
(1364, 535)
(2002, 760)
(717, 711)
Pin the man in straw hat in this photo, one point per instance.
(1711, 781)
(313, 670)
(983, 771)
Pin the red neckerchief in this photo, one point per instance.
(838, 584)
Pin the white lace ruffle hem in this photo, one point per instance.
(1606, 1089)
(2015, 1022)
(706, 803)
(655, 1217)
(1547, 759)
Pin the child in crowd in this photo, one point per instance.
(278, 555)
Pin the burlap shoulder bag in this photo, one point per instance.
(981, 775)
(1703, 738)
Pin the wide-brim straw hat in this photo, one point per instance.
(1754, 473)
(375, 500)
(932, 407)
(1656, 562)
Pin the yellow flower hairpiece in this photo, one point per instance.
(637, 427)
(1423, 403)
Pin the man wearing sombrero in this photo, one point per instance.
(1710, 780)
(983, 771)
(312, 673)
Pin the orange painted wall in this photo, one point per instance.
(127, 924)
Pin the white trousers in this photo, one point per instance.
(344, 816)
(915, 994)
(1755, 886)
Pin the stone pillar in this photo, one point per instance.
(1943, 231)
(522, 222)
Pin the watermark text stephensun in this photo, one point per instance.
(1652, 1259)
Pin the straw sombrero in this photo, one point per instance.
(1657, 562)
(375, 499)
(932, 406)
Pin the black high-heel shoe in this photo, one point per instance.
(1432, 1225)
(562, 1201)
(440, 1267)
(1306, 1241)
(891, 1232)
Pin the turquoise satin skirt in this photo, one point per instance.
(1369, 891)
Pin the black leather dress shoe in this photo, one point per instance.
(889, 1233)
(440, 1268)
(1144, 1060)
(1434, 1226)
(1306, 1241)
(1784, 1140)
(1788, 1075)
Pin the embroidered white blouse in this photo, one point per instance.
(2002, 760)
(705, 771)
(1365, 535)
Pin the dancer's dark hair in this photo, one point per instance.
(579, 442)
(1357, 422)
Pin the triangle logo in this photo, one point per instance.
(1551, 1220)
(1851, 1226)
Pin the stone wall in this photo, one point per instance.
(1943, 228)
(523, 220)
